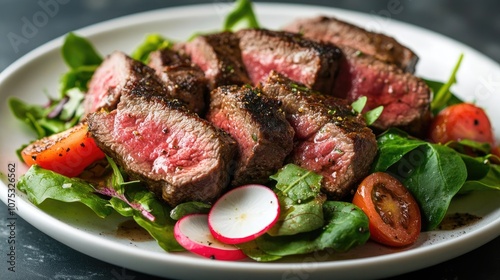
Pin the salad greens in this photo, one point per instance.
(345, 227)
(301, 201)
(130, 199)
(65, 110)
(242, 12)
(370, 116)
(443, 97)
(151, 43)
(433, 173)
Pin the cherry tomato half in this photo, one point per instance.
(394, 214)
(67, 153)
(461, 121)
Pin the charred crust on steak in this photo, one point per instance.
(179, 156)
(258, 125)
(342, 33)
(219, 56)
(306, 61)
(184, 80)
(331, 139)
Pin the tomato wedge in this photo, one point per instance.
(461, 121)
(67, 153)
(394, 214)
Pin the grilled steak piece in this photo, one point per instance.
(120, 74)
(341, 33)
(219, 56)
(331, 139)
(405, 97)
(308, 62)
(183, 79)
(157, 140)
(259, 127)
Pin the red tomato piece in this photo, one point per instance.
(459, 122)
(67, 153)
(394, 214)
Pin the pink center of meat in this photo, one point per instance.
(164, 149)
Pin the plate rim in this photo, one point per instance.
(484, 235)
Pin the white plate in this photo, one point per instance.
(80, 229)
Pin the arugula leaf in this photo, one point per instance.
(433, 173)
(346, 227)
(443, 97)
(300, 199)
(242, 11)
(65, 111)
(41, 184)
(151, 43)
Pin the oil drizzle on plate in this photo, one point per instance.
(457, 220)
(132, 231)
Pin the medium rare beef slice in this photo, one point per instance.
(259, 127)
(405, 97)
(183, 79)
(331, 139)
(341, 33)
(180, 156)
(308, 62)
(219, 56)
(119, 74)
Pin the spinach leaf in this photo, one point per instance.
(346, 227)
(300, 199)
(433, 173)
(488, 182)
(151, 43)
(41, 184)
(130, 199)
(193, 207)
(243, 11)
(78, 51)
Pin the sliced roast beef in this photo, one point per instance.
(405, 97)
(120, 74)
(259, 127)
(183, 79)
(308, 62)
(157, 140)
(331, 139)
(219, 56)
(341, 33)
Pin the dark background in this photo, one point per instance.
(476, 24)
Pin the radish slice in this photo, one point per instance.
(243, 214)
(192, 233)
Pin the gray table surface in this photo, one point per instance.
(39, 256)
